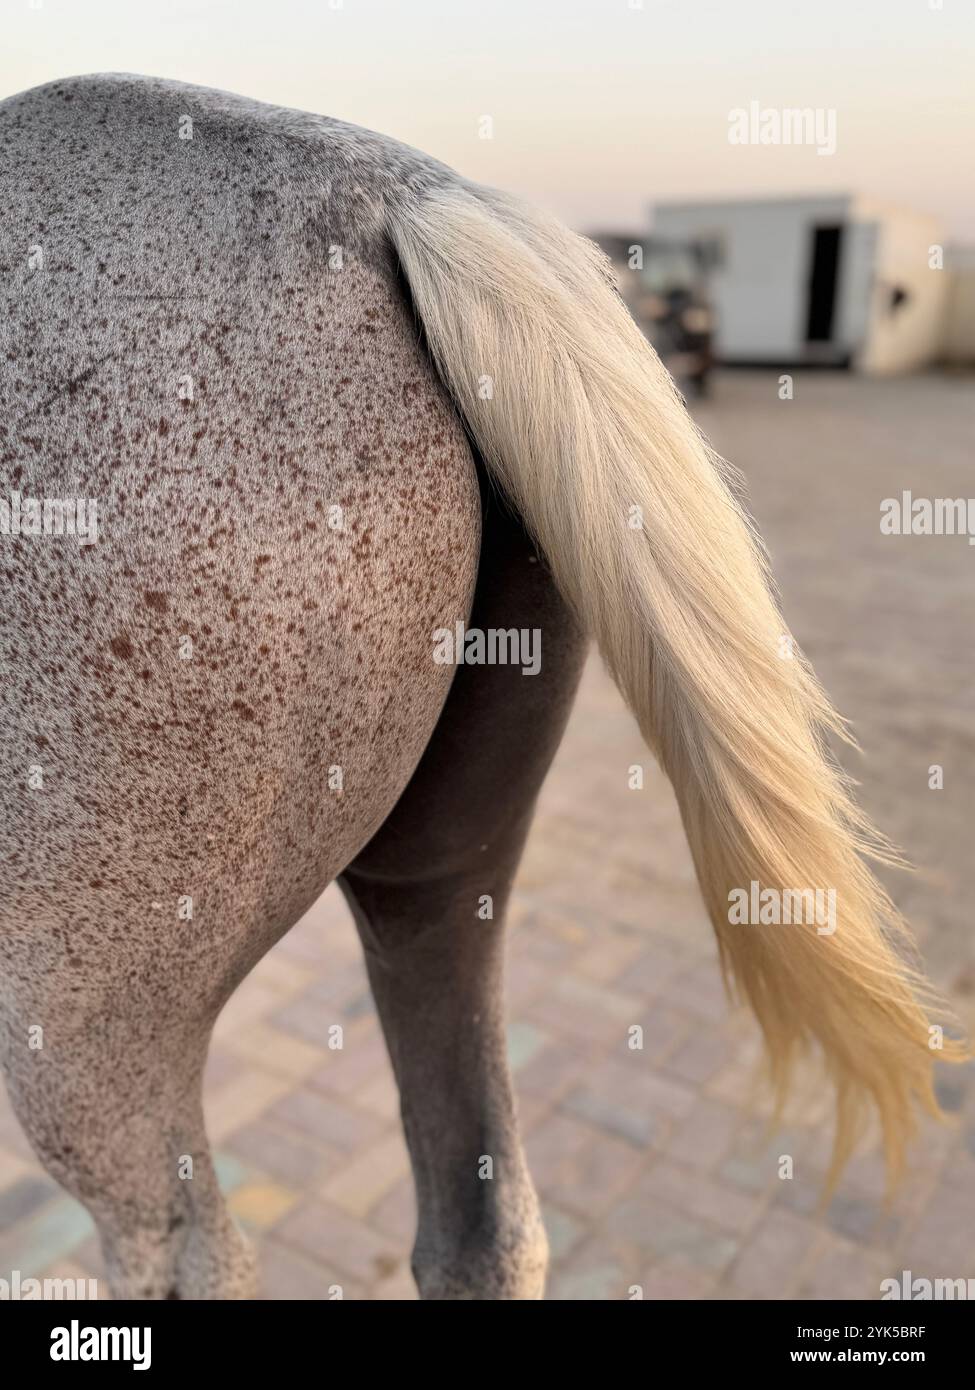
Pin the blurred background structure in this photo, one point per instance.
(655, 1165)
(811, 281)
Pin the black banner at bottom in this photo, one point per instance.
(166, 1339)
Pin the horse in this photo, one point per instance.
(319, 400)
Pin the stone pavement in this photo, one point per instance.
(655, 1166)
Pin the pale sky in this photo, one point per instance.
(599, 107)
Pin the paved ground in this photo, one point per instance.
(654, 1166)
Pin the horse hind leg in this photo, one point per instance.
(115, 1115)
(453, 842)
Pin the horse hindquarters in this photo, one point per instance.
(208, 712)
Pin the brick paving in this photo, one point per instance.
(655, 1166)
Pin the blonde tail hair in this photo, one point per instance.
(585, 432)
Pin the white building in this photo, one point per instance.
(820, 279)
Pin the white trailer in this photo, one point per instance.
(830, 279)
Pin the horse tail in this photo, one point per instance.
(581, 425)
